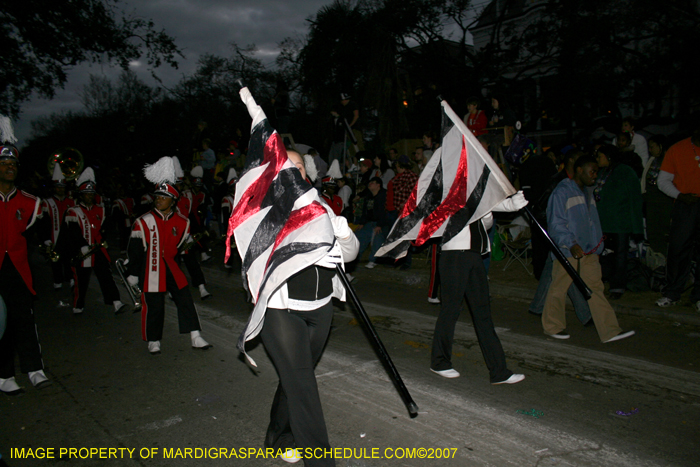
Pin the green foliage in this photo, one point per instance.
(42, 39)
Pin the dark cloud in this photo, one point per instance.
(199, 27)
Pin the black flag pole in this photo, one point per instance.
(383, 354)
(580, 284)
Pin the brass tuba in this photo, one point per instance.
(70, 160)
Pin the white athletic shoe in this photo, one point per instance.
(77, 311)
(514, 378)
(451, 373)
(57, 285)
(154, 347)
(9, 386)
(205, 257)
(38, 379)
(198, 341)
(371, 265)
(433, 300)
(203, 292)
(291, 456)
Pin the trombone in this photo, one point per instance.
(50, 252)
(133, 290)
(91, 251)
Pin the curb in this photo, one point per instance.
(421, 278)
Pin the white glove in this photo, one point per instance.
(341, 229)
(514, 203)
(48, 242)
(84, 249)
(133, 281)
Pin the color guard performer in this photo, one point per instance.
(81, 241)
(18, 212)
(54, 209)
(227, 203)
(153, 246)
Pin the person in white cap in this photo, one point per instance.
(156, 238)
(18, 212)
(81, 241)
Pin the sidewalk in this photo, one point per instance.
(514, 283)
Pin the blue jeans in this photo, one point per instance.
(583, 312)
(364, 236)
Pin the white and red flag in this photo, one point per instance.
(278, 221)
(460, 184)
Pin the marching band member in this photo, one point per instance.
(185, 207)
(55, 207)
(153, 246)
(18, 212)
(123, 213)
(198, 209)
(83, 241)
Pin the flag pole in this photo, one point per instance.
(580, 284)
(383, 354)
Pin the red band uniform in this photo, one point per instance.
(155, 239)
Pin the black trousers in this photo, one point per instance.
(103, 271)
(20, 332)
(193, 267)
(683, 246)
(153, 310)
(61, 271)
(434, 285)
(614, 266)
(295, 341)
(463, 276)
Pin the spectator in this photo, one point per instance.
(398, 191)
(373, 220)
(429, 144)
(475, 119)
(503, 116)
(382, 170)
(541, 248)
(637, 141)
(419, 160)
(574, 226)
(393, 156)
(657, 206)
(208, 162)
(679, 178)
(627, 155)
(619, 199)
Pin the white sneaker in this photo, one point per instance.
(451, 373)
(203, 292)
(291, 456)
(622, 335)
(77, 311)
(57, 285)
(514, 378)
(71, 283)
(228, 266)
(198, 341)
(38, 379)
(9, 386)
(371, 265)
(351, 278)
(205, 257)
(154, 347)
(664, 302)
(433, 300)
(119, 307)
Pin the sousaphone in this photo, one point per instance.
(70, 160)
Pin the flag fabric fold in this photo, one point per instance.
(460, 184)
(278, 221)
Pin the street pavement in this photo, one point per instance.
(632, 403)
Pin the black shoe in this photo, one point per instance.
(615, 295)
(589, 323)
(539, 315)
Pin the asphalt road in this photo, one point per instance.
(631, 403)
